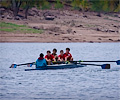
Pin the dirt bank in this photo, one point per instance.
(67, 26)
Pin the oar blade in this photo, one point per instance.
(118, 62)
(29, 65)
(13, 66)
(105, 66)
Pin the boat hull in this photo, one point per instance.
(56, 66)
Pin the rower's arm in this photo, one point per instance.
(66, 58)
(54, 59)
(58, 58)
(47, 59)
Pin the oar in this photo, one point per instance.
(28, 64)
(118, 61)
(103, 66)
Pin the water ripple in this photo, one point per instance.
(87, 83)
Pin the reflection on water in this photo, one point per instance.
(87, 83)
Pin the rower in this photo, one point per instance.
(54, 54)
(49, 57)
(41, 61)
(61, 57)
(68, 56)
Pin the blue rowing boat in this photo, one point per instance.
(58, 66)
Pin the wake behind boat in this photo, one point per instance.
(58, 66)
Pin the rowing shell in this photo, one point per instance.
(57, 66)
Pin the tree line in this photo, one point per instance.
(82, 5)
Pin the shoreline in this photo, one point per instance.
(50, 39)
(62, 38)
(58, 42)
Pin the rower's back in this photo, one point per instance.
(41, 61)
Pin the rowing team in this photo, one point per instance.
(41, 61)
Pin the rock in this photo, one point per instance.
(97, 29)
(57, 34)
(2, 11)
(106, 30)
(99, 15)
(69, 39)
(114, 26)
(49, 17)
(110, 30)
(17, 18)
(31, 13)
(2, 16)
(79, 26)
(69, 30)
(117, 16)
(84, 16)
(20, 17)
(111, 39)
(91, 42)
(99, 39)
(47, 13)
(36, 13)
(74, 31)
(35, 27)
(118, 40)
(9, 17)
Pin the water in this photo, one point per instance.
(87, 83)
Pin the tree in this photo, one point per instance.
(15, 6)
(105, 5)
(28, 4)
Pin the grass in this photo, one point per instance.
(87, 25)
(10, 27)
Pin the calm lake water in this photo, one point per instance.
(87, 83)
